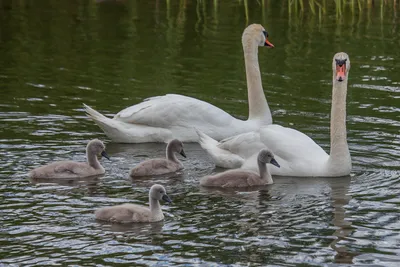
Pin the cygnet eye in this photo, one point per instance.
(161, 192)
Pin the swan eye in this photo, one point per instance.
(265, 34)
(161, 192)
(340, 62)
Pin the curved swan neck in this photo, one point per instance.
(154, 205)
(339, 147)
(171, 154)
(258, 106)
(264, 173)
(92, 160)
(155, 210)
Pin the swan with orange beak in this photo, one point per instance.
(340, 69)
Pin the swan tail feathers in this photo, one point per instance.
(205, 141)
(106, 124)
(222, 158)
(93, 114)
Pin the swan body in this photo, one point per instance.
(244, 178)
(232, 152)
(162, 118)
(72, 169)
(161, 166)
(297, 153)
(132, 213)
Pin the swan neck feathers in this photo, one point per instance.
(338, 131)
(170, 154)
(155, 208)
(92, 159)
(258, 106)
(264, 173)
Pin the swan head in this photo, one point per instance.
(176, 146)
(340, 66)
(158, 192)
(256, 33)
(266, 156)
(96, 147)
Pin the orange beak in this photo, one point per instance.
(268, 43)
(340, 72)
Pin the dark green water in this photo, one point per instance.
(56, 55)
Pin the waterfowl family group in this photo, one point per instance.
(254, 149)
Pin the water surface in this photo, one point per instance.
(54, 56)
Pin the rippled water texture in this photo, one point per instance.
(56, 55)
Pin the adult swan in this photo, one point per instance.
(162, 118)
(297, 153)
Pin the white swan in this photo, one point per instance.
(297, 153)
(162, 118)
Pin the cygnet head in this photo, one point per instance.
(96, 147)
(340, 66)
(265, 156)
(176, 146)
(257, 33)
(158, 192)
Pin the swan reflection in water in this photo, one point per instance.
(295, 204)
(91, 183)
(136, 229)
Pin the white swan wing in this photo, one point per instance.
(173, 110)
(290, 144)
(296, 153)
(244, 145)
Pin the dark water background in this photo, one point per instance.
(56, 55)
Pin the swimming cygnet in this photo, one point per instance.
(72, 169)
(127, 213)
(161, 166)
(242, 177)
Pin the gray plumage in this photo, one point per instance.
(161, 166)
(128, 213)
(242, 177)
(72, 169)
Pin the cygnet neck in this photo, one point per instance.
(92, 159)
(171, 153)
(258, 106)
(155, 206)
(264, 173)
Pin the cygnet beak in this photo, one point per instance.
(166, 198)
(183, 153)
(104, 154)
(274, 162)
